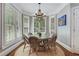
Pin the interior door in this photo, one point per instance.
(76, 29)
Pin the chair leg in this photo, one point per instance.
(29, 51)
(55, 49)
(24, 47)
(37, 51)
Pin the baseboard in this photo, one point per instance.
(76, 51)
(8, 50)
(65, 46)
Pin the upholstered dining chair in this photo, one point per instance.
(34, 44)
(52, 44)
(54, 38)
(26, 41)
(52, 41)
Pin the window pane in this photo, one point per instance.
(52, 23)
(9, 23)
(26, 24)
(36, 24)
(39, 24)
(18, 25)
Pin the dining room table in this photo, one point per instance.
(44, 42)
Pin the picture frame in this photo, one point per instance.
(62, 20)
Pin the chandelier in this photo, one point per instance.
(39, 12)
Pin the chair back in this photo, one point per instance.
(34, 41)
(25, 39)
(54, 37)
(52, 41)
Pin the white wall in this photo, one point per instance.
(63, 32)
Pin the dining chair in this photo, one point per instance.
(54, 38)
(52, 41)
(45, 42)
(34, 44)
(26, 41)
(30, 34)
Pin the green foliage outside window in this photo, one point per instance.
(39, 24)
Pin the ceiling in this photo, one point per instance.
(47, 8)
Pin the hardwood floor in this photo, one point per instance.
(13, 52)
(66, 52)
(61, 51)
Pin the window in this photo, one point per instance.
(25, 25)
(9, 23)
(18, 25)
(12, 26)
(39, 24)
(52, 25)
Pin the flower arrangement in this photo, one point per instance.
(39, 34)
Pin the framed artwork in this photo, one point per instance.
(62, 20)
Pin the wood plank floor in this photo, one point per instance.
(60, 51)
(50, 52)
(66, 52)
